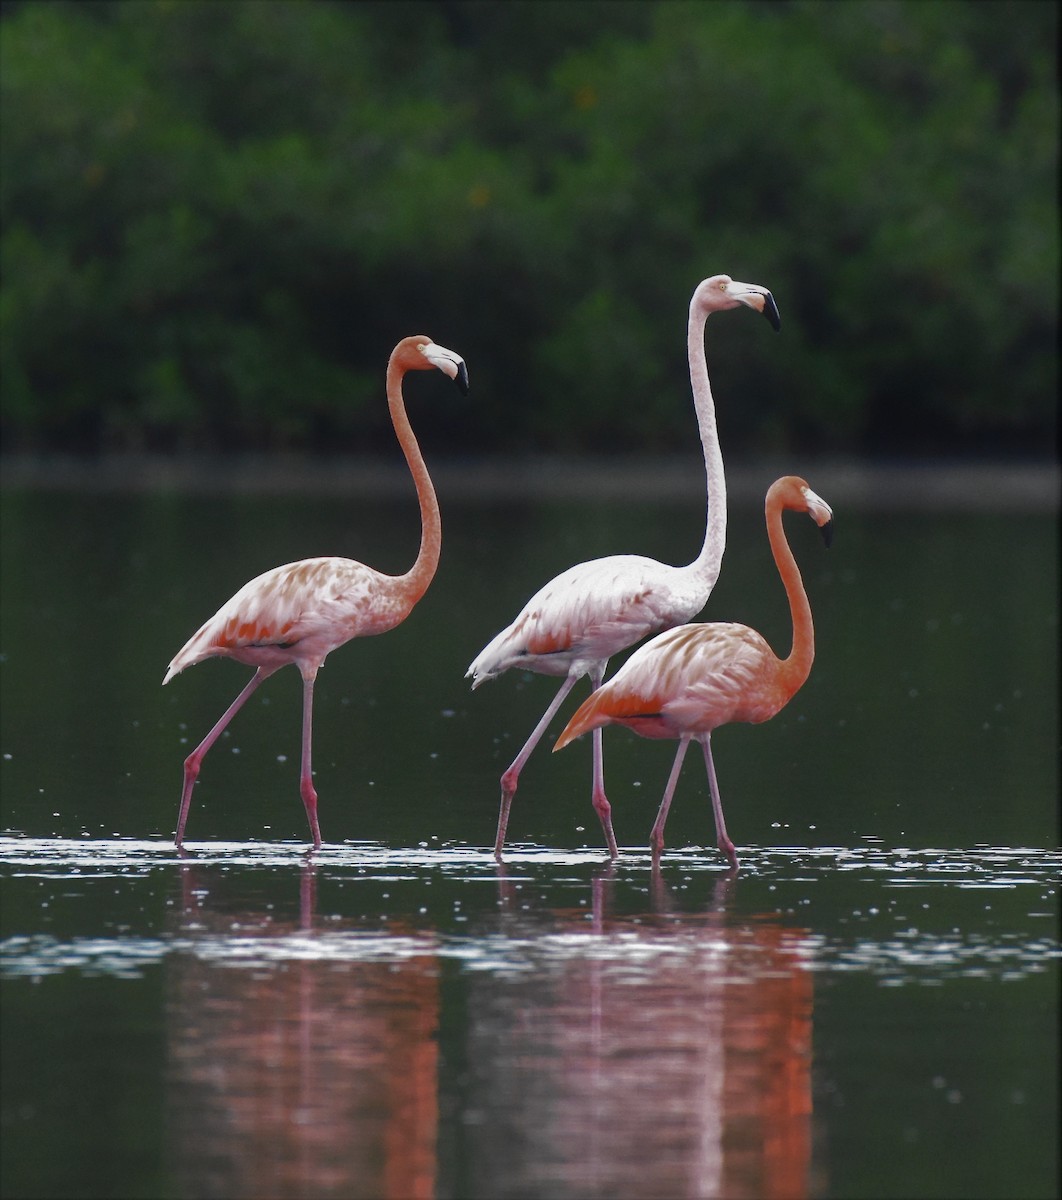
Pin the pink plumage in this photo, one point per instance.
(301, 612)
(686, 682)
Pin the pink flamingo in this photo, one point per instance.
(301, 612)
(573, 625)
(688, 681)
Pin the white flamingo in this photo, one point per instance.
(573, 625)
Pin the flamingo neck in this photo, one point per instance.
(414, 583)
(706, 565)
(796, 668)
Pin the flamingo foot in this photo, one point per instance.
(508, 790)
(309, 800)
(191, 774)
(604, 813)
(726, 846)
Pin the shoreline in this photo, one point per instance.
(888, 485)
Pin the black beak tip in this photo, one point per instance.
(462, 378)
(770, 311)
(827, 533)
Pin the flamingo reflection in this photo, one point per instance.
(635, 1050)
(661, 1053)
(302, 1077)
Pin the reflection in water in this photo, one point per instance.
(308, 1078)
(659, 1057)
(661, 1039)
(654, 1055)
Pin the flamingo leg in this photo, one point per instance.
(656, 836)
(600, 800)
(510, 778)
(722, 840)
(194, 760)
(309, 792)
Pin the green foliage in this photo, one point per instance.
(218, 217)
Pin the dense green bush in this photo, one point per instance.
(219, 215)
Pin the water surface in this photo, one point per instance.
(868, 1008)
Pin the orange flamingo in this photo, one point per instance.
(573, 625)
(688, 681)
(301, 612)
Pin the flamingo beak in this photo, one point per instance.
(449, 363)
(821, 513)
(758, 298)
(461, 379)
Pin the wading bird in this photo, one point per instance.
(688, 681)
(573, 625)
(301, 612)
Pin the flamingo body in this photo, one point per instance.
(573, 625)
(588, 613)
(686, 682)
(299, 613)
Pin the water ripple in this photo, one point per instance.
(979, 866)
(535, 912)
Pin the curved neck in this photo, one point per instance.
(707, 563)
(797, 667)
(414, 583)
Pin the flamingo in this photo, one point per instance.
(301, 612)
(688, 681)
(573, 625)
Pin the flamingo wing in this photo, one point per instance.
(690, 679)
(714, 674)
(301, 610)
(585, 615)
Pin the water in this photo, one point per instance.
(869, 1008)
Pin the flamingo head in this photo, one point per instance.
(720, 292)
(793, 492)
(420, 353)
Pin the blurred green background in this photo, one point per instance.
(218, 216)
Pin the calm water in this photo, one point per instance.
(869, 1008)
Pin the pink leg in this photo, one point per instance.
(722, 840)
(656, 836)
(512, 775)
(194, 760)
(309, 793)
(600, 801)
